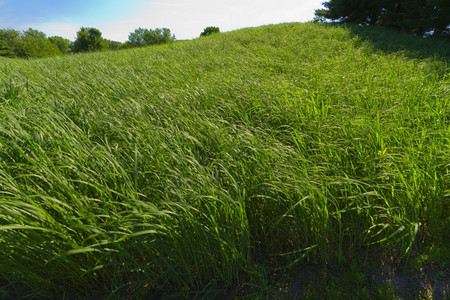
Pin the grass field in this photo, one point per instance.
(220, 165)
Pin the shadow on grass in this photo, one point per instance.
(391, 41)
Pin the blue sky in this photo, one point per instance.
(117, 18)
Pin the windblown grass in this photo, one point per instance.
(177, 170)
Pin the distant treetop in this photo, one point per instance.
(210, 30)
(145, 37)
(29, 43)
(32, 43)
(89, 39)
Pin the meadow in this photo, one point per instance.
(210, 167)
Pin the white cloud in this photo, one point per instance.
(187, 18)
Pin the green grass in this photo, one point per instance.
(190, 170)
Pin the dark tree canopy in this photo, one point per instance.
(145, 37)
(88, 40)
(210, 30)
(415, 16)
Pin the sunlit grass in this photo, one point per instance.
(176, 170)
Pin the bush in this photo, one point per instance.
(210, 30)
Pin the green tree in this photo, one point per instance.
(10, 36)
(114, 45)
(416, 16)
(145, 37)
(6, 50)
(62, 43)
(88, 40)
(127, 45)
(34, 44)
(351, 11)
(9, 39)
(136, 38)
(210, 30)
(166, 36)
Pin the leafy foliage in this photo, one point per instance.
(114, 45)
(6, 50)
(89, 40)
(8, 42)
(210, 30)
(31, 43)
(416, 16)
(10, 36)
(62, 43)
(145, 37)
(34, 44)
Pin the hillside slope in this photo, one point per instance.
(195, 167)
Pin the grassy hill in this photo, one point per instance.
(224, 165)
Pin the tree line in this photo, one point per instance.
(32, 43)
(421, 17)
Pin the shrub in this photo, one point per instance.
(210, 30)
